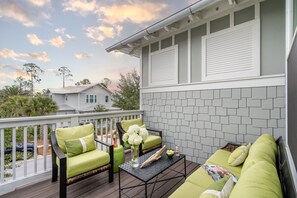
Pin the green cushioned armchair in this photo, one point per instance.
(79, 166)
(153, 141)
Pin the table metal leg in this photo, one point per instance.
(185, 167)
(145, 186)
(120, 191)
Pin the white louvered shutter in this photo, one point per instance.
(232, 53)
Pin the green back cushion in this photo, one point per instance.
(127, 123)
(264, 149)
(260, 180)
(70, 133)
(239, 155)
(81, 145)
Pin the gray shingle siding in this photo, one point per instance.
(200, 122)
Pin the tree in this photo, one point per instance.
(83, 82)
(127, 95)
(106, 82)
(12, 90)
(100, 108)
(20, 106)
(65, 73)
(33, 71)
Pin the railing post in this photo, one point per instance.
(74, 121)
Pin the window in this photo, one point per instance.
(106, 99)
(230, 53)
(87, 98)
(95, 98)
(163, 66)
(91, 98)
(66, 97)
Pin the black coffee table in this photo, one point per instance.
(148, 173)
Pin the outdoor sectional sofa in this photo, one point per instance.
(265, 172)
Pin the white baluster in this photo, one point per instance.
(25, 151)
(2, 155)
(14, 152)
(35, 149)
(45, 132)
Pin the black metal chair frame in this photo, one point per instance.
(121, 132)
(64, 181)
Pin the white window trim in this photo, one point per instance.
(260, 81)
(169, 82)
(255, 72)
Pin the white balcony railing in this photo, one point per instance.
(18, 134)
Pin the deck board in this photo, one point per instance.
(98, 186)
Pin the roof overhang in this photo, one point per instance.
(133, 43)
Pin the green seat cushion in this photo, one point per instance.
(260, 180)
(127, 123)
(220, 157)
(187, 190)
(239, 155)
(200, 178)
(70, 133)
(85, 162)
(78, 146)
(151, 141)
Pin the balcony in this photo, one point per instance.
(27, 173)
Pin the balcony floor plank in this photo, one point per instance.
(98, 186)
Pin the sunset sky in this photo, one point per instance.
(73, 33)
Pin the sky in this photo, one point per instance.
(74, 34)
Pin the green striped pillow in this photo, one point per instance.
(81, 145)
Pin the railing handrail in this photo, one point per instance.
(27, 121)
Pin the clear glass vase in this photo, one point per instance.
(134, 156)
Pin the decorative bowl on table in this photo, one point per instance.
(169, 154)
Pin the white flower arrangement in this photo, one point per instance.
(135, 135)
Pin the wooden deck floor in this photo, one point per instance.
(98, 186)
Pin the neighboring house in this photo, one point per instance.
(214, 72)
(81, 99)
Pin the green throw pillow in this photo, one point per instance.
(239, 155)
(219, 189)
(127, 123)
(81, 145)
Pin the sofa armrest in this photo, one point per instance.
(55, 147)
(155, 131)
(230, 147)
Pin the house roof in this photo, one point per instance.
(131, 45)
(76, 89)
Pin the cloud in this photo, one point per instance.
(70, 37)
(83, 55)
(41, 56)
(57, 42)
(39, 3)
(8, 53)
(60, 30)
(99, 33)
(51, 70)
(34, 40)
(12, 72)
(83, 7)
(117, 53)
(16, 12)
(2, 82)
(135, 12)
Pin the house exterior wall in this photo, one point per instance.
(58, 98)
(100, 93)
(272, 42)
(273, 28)
(202, 121)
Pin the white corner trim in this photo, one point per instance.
(262, 81)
